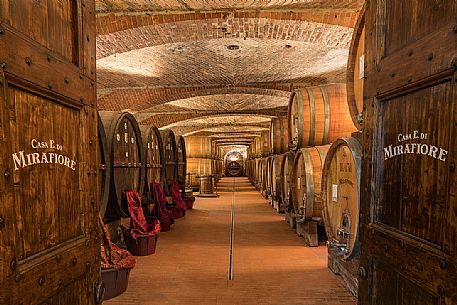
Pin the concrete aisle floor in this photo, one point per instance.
(271, 264)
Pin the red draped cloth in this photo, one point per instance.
(176, 196)
(158, 196)
(112, 255)
(138, 224)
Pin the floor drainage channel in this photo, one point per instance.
(232, 234)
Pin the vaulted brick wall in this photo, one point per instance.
(171, 61)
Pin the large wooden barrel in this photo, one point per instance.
(104, 168)
(287, 186)
(234, 168)
(153, 151)
(181, 157)
(219, 169)
(198, 147)
(341, 193)
(252, 150)
(197, 167)
(307, 177)
(318, 116)
(268, 176)
(170, 156)
(251, 170)
(276, 177)
(255, 172)
(355, 71)
(126, 153)
(264, 177)
(260, 174)
(279, 136)
(265, 143)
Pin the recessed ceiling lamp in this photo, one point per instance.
(233, 47)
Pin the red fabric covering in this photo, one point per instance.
(112, 255)
(177, 199)
(189, 201)
(164, 215)
(138, 224)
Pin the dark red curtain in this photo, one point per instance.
(138, 224)
(158, 196)
(176, 196)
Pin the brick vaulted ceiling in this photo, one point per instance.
(217, 67)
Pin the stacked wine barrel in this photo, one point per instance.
(286, 191)
(200, 162)
(217, 163)
(307, 203)
(341, 174)
(275, 188)
(318, 116)
(252, 163)
(278, 146)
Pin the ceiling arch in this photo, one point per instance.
(211, 62)
(149, 99)
(110, 6)
(184, 32)
(195, 65)
(227, 120)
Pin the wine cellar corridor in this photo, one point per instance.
(269, 263)
(233, 152)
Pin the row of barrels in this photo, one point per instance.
(319, 183)
(311, 167)
(316, 116)
(296, 165)
(131, 157)
(319, 115)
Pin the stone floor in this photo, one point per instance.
(271, 264)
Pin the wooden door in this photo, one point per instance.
(409, 191)
(48, 162)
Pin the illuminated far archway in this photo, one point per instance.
(234, 162)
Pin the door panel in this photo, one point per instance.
(48, 134)
(52, 24)
(408, 292)
(413, 199)
(408, 204)
(46, 185)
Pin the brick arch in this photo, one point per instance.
(250, 129)
(146, 99)
(241, 119)
(124, 33)
(164, 119)
(170, 120)
(147, 6)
